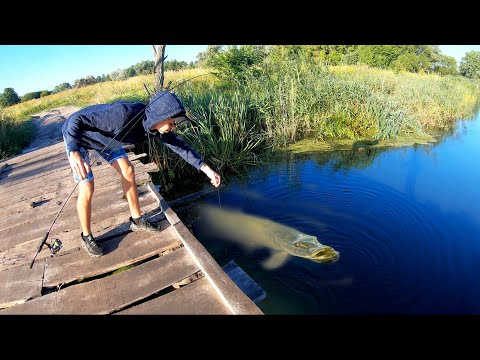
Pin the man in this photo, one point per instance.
(112, 126)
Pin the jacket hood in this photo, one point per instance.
(162, 105)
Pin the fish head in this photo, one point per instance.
(309, 247)
(326, 254)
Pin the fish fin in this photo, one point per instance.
(275, 260)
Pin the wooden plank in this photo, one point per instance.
(61, 188)
(234, 298)
(196, 298)
(20, 285)
(33, 181)
(48, 204)
(37, 153)
(22, 254)
(118, 252)
(244, 282)
(40, 171)
(38, 227)
(20, 161)
(61, 170)
(111, 293)
(133, 156)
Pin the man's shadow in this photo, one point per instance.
(111, 240)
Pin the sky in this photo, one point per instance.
(29, 68)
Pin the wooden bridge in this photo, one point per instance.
(166, 272)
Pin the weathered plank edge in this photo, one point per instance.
(3, 167)
(229, 292)
(244, 282)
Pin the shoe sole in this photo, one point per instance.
(86, 249)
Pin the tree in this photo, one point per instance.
(407, 61)
(159, 67)
(130, 72)
(30, 96)
(235, 62)
(470, 65)
(444, 65)
(9, 98)
(62, 87)
(89, 80)
(204, 57)
(381, 56)
(144, 67)
(175, 65)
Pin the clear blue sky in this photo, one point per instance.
(28, 68)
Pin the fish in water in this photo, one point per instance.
(256, 232)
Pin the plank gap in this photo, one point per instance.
(51, 289)
(158, 294)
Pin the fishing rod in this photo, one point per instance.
(55, 247)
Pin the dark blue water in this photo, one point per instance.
(406, 222)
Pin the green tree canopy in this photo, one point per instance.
(445, 65)
(9, 98)
(62, 87)
(175, 65)
(30, 96)
(144, 67)
(204, 57)
(236, 61)
(470, 65)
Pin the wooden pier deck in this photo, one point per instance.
(168, 272)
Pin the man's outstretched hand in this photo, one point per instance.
(214, 177)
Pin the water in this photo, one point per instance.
(406, 222)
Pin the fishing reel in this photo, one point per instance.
(55, 246)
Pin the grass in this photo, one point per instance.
(14, 136)
(356, 102)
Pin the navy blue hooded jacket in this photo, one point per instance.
(95, 126)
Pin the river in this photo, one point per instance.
(406, 222)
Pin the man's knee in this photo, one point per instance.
(87, 189)
(128, 170)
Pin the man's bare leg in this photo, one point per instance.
(127, 172)
(84, 205)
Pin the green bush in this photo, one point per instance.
(30, 96)
(14, 136)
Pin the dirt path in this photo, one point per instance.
(49, 126)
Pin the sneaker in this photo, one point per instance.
(143, 225)
(91, 245)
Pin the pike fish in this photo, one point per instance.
(254, 232)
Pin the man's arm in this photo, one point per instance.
(72, 132)
(172, 141)
(183, 149)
